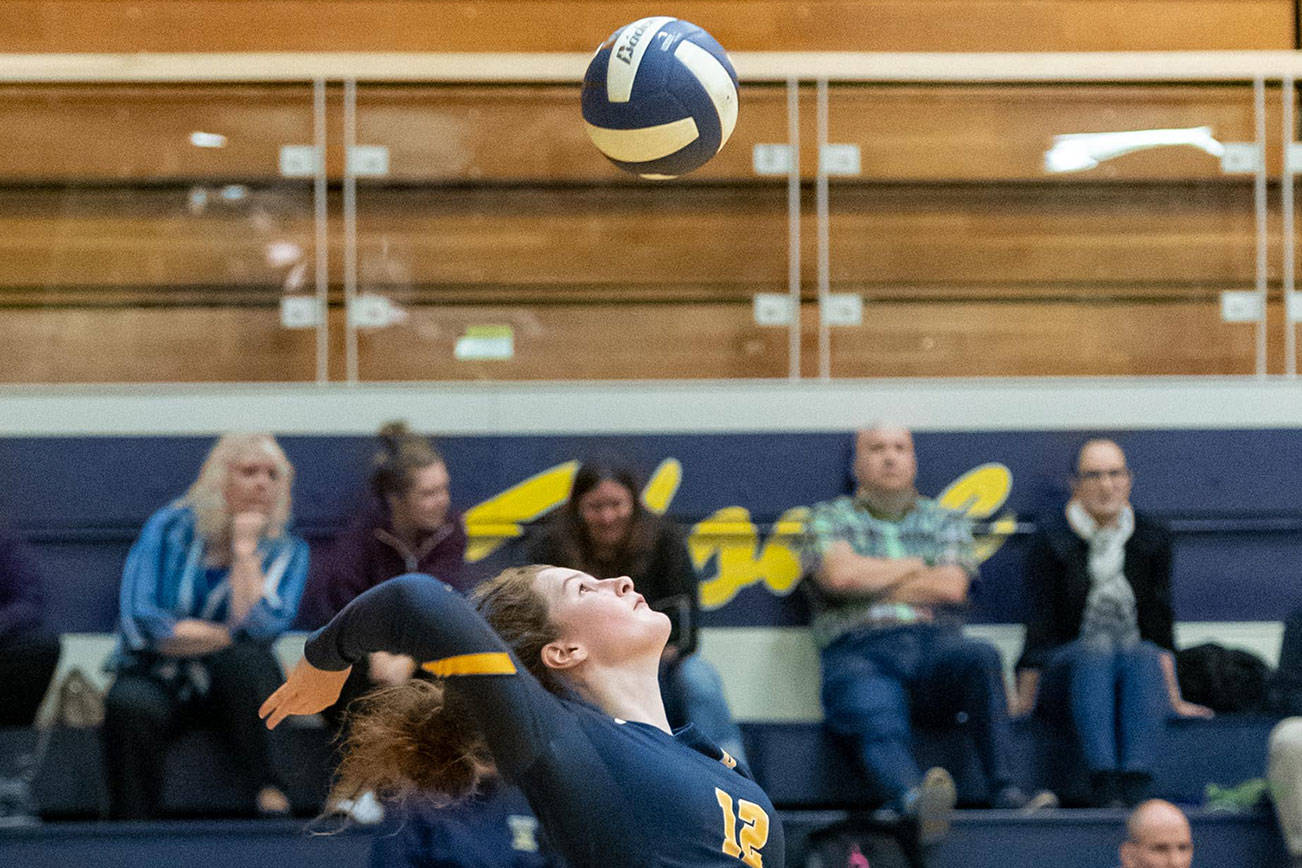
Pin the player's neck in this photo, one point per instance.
(630, 692)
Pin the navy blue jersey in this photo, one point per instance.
(607, 792)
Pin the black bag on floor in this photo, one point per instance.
(1284, 690)
(1223, 679)
(859, 844)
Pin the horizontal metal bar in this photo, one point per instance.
(561, 67)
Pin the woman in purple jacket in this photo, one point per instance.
(407, 527)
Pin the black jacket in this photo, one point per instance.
(1057, 583)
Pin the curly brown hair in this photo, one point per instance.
(419, 738)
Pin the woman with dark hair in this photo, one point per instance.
(553, 682)
(408, 526)
(604, 529)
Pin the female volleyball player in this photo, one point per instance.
(605, 530)
(559, 675)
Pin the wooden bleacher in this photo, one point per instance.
(498, 210)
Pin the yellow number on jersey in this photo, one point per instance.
(754, 829)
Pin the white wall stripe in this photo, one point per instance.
(655, 407)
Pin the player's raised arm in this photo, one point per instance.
(415, 615)
(308, 690)
(421, 617)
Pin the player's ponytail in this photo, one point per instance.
(419, 739)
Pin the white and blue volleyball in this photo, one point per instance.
(660, 97)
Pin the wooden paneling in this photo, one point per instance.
(105, 284)
(126, 253)
(609, 242)
(1040, 337)
(571, 25)
(61, 134)
(1028, 337)
(152, 344)
(124, 133)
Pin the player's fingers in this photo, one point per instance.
(272, 701)
(276, 717)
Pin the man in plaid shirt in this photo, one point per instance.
(891, 572)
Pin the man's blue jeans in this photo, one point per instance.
(878, 682)
(1114, 698)
(693, 693)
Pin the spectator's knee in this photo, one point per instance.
(1286, 738)
(133, 700)
(697, 676)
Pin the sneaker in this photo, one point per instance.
(365, 810)
(271, 803)
(930, 804)
(1011, 798)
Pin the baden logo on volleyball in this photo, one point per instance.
(660, 97)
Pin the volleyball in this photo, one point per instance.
(660, 97)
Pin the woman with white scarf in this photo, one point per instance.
(1099, 646)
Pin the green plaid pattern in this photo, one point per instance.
(929, 531)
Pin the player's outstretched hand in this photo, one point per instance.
(306, 691)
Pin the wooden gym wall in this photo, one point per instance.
(971, 260)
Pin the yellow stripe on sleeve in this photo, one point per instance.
(488, 663)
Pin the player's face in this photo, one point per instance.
(424, 505)
(1102, 481)
(884, 460)
(253, 484)
(607, 512)
(607, 616)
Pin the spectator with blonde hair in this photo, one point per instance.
(211, 581)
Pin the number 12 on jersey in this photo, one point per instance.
(754, 834)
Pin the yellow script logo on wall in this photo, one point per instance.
(728, 537)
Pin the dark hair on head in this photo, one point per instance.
(419, 738)
(574, 544)
(401, 454)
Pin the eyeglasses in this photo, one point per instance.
(1100, 475)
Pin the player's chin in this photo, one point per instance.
(662, 620)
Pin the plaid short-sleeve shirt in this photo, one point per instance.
(929, 531)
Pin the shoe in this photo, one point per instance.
(272, 803)
(1247, 796)
(1135, 787)
(1105, 790)
(365, 810)
(1011, 798)
(930, 804)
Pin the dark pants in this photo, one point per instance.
(145, 710)
(27, 663)
(1115, 699)
(877, 683)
